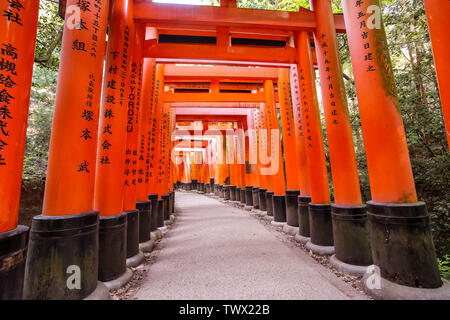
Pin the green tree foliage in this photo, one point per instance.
(48, 47)
(42, 99)
(50, 31)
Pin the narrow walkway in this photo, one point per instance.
(216, 251)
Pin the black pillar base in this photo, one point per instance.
(153, 198)
(232, 193)
(226, 192)
(221, 191)
(112, 249)
(160, 220)
(351, 235)
(279, 208)
(165, 198)
(269, 203)
(262, 199)
(402, 245)
(132, 233)
(242, 196)
(57, 243)
(292, 207)
(13, 252)
(170, 202)
(249, 196)
(320, 224)
(145, 220)
(207, 188)
(238, 194)
(173, 201)
(255, 195)
(211, 182)
(303, 215)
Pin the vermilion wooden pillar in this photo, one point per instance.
(351, 237)
(206, 169)
(18, 23)
(193, 167)
(109, 182)
(139, 220)
(287, 123)
(228, 3)
(319, 208)
(438, 26)
(145, 169)
(227, 164)
(263, 158)
(156, 129)
(234, 167)
(132, 129)
(395, 247)
(154, 181)
(69, 191)
(256, 172)
(304, 198)
(164, 153)
(250, 158)
(211, 166)
(146, 106)
(205, 174)
(164, 149)
(290, 151)
(257, 124)
(187, 168)
(223, 166)
(171, 165)
(240, 158)
(340, 142)
(194, 170)
(300, 145)
(275, 201)
(275, 172)
(215, 155)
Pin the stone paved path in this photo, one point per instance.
(216, 251)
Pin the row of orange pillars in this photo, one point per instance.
(110, 182)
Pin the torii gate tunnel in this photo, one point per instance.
(188, 97)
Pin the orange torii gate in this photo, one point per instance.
(90, 225)
(220, 114)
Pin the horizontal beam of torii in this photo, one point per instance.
(214, 97)
(191, 143)
(223, 114)
(191, 73)
(213, 106)
(284, 55)
(158, 14)
(210, 117)
(213, 110)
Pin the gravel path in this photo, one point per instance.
(215, 251)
